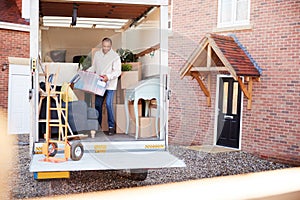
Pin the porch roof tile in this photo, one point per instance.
(236, 55)
(230, 51)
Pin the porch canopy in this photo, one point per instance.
(226, 55)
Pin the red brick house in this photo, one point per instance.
(267, 33)
(270, 32)
(14, 42)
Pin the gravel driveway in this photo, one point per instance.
(199, 165)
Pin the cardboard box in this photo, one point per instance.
(130, 78)
(153, 112)
(104, 125)
(120, 93)
(147, 127)
(137, 66)
(121, 118)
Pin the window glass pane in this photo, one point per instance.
(225, 97)
(226, 11)
(235, 98)
(242, 10)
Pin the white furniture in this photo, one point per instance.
(146, 89)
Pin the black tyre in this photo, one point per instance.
(138, 174)
(52, 149)
(76, 151)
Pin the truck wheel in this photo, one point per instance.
(52, 149)
(138, 174)
(76, 151)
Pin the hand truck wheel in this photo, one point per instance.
(52, 149)
(76, 151)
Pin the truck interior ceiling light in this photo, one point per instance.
(84, 22)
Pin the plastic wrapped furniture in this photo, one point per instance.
(81, 117)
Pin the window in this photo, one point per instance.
(235, 98)
(225, 97)
(233, 13)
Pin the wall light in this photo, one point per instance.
(4, 66)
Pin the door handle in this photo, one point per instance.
(228, 117)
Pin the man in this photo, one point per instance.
(107, 64)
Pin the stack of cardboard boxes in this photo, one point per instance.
(127, 79)
(146, 124)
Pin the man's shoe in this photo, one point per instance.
(111, 131)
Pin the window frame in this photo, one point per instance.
(233, 22)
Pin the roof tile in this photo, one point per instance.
(235, 55)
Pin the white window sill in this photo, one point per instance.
(233, 28)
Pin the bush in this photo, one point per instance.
(126, 67)
(85, 62)
(126, 55)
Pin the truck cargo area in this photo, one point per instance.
(67, 37)
(64, 37)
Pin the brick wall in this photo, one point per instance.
(12, 44)
(19, 5)
(190, 120)
(272, 128)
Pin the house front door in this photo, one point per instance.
(229, 113)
